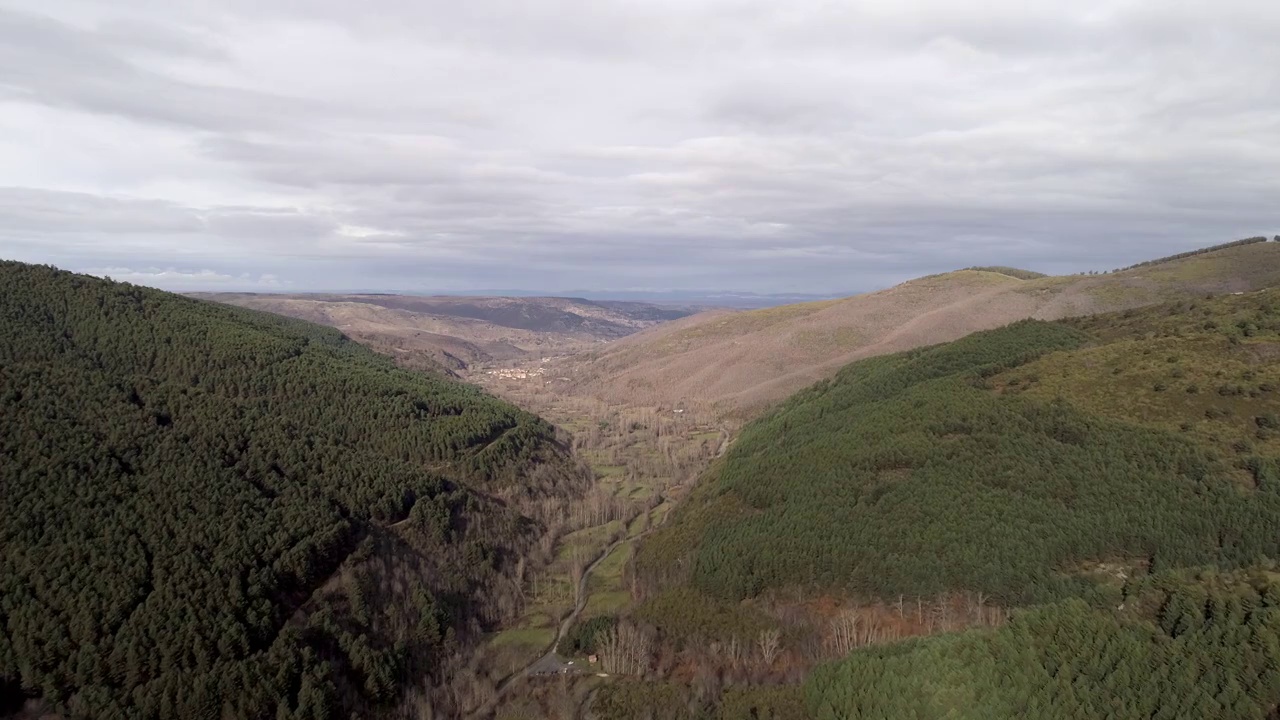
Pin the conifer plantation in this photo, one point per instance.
(998, 462)
(209, 512)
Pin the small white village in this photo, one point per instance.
(517, 373)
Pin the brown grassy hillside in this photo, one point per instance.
(741, 362)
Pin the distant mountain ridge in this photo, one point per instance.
(742, 299)
(458, 331)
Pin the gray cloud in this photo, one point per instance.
(736, 144)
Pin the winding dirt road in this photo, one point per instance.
(551, 663)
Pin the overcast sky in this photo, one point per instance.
(760, 145)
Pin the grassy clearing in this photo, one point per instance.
(609, 571)
(605, 593)
(612, 602)
(524, 637)
(635, 491)
(659, 514)
(532, 620)
(592, 537)
(636, 527)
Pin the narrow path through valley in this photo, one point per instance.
(550, 662)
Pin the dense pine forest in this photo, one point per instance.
(1180, 647)
(209, 512)
(1118, 476)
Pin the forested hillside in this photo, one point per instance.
(213, 512)
(1202, 647)
(1116, 476)
(1006, 463)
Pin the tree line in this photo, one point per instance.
(1198, 251)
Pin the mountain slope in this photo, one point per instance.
(743, 362)
(459, 331)
(214, 512)
(1007, 463)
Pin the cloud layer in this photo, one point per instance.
(710, 144)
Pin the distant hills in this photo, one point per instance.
(707, 298)
(681, 298)
(742, 362)
(208, 511)
(455, 332)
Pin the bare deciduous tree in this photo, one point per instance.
(578, 562)
(769, 642)
(843, 634)
(733, 653)
(625, 650)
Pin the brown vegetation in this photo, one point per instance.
(738, 363)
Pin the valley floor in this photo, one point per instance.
(645, 460)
